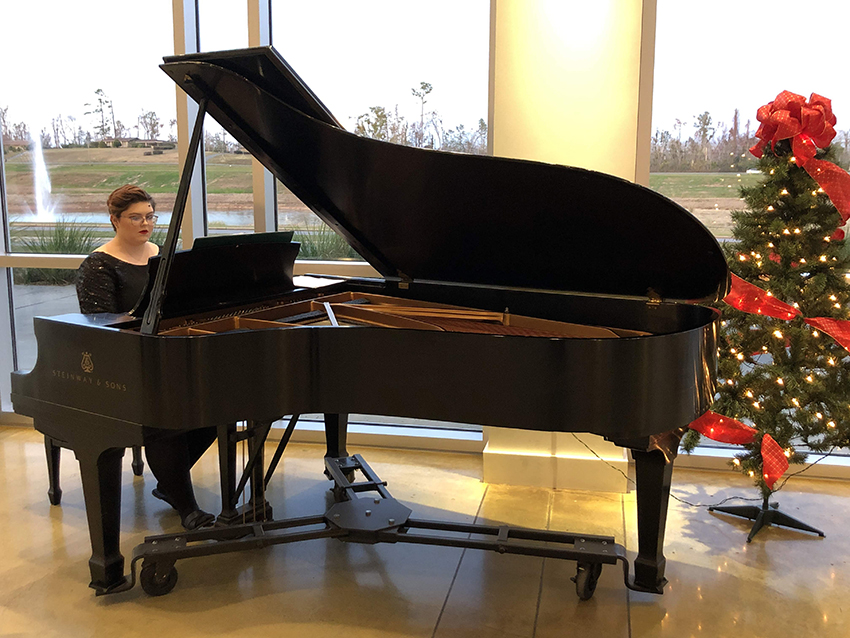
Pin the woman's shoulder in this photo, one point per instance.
(98, 263)
(105, 255)
(100, 256)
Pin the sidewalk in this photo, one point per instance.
(38, 301)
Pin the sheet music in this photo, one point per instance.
(312, 281)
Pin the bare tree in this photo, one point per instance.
(704, 133)
(115, 132)
(380, 124)
(100, 107)
(149, 124)
(427, 133)
(19, 131)
(460, 140)
(120, 129)
(56, 123)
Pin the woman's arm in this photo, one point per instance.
(97, 287)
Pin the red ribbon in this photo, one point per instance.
(838, 329)
(835, 182)
(809, 125)
(774, 463)
(745, 296)
(750, 298)
(726, 430)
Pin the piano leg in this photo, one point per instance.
(101, 476)
(227, 472)
(653, 472)
(336, 434)
(138, 464)
(54, 453)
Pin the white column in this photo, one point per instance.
(186, 40)
(265, 195)
(570, 83)
(7, 316)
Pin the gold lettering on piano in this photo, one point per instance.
(87, 365)
(89, 380)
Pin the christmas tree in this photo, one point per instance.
(779, 372)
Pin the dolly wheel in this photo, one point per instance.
(154, 586)
(587, 575)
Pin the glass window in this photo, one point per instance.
(715, 65)
(423, 85)
(85, 109)
(223, 25)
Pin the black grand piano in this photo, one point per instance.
(512, 293)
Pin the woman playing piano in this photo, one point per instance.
(112, 279)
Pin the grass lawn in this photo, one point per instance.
(104, 169)
(702, 185)
(104, 178)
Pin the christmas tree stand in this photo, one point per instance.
(767, 514)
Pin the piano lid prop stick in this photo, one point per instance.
(150, 322)
(331, 315)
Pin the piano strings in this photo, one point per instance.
(352, 309)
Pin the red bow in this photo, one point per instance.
(809, 125)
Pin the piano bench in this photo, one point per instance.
(52, 447)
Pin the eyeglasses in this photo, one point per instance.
(139, 219)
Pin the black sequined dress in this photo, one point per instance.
(108, 284)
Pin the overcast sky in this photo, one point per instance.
(710, 56)
(719, 55)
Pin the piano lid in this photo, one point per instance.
(430, 215)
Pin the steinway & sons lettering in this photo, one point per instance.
(87, 366)
(89, 380)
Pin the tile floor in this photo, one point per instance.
(783, 584)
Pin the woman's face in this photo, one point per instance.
(133, 227)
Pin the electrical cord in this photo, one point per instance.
(707, 505)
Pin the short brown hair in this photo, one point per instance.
(125, 196)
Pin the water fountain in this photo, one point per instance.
(44, 207)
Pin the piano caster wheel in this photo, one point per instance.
(154, 586)
(587, 575)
